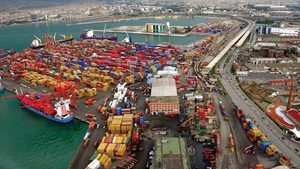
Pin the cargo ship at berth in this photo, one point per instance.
(41, 104)
(91, 35)
(49, 39)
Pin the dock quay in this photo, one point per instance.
(139, 30)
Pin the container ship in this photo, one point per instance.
(41, 104)
(91, 35)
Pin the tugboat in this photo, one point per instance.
(37, 42)
(41, 104)
(90, 34)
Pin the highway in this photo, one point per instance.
(227, 159)
(266, 125)
(235, 40)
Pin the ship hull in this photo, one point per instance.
(113, 38)
(67, 120)
(2, 90)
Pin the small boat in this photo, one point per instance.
(49, 39)
(90, 34)
(41, 104)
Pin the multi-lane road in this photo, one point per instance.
(266, 125)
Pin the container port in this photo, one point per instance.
(147, 106)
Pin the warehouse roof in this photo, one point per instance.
(171, 153)
(164, 87)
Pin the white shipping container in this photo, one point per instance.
(191, 98)
(114, 104)
(116, 95)
(189, 94)
(199, 97)
(86, 136)
(146, 111)
(95, 164)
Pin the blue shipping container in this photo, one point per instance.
(250, 125)
(119, 111)
(142, 119)
(263, 145)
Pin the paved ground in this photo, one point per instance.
(227, 159)
(263, 77)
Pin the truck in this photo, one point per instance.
(267, 147)
(253, 134)
(223, 111)
(231, 143)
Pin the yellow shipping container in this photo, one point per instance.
(116, 121)
(103, 158)
(99, 157)
(106, 165)
(119, 140)
(110, 149)
(114, 129)
(109, 120)
(102, 148)
(118, 117)
(128, 116)
(121, 150)
(126, 123)
(103, 139)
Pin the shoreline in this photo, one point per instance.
(110, 19)
(141, 17)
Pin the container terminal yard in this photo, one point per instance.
(150, 106)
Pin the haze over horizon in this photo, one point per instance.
(25, 4)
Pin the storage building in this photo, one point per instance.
(157, 27)
(164, 98)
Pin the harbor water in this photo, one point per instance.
(29, 141)
(19, 37)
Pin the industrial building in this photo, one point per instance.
(171, 153)
(265, 30)
(164, 98)
(157, 27)
(256, 61)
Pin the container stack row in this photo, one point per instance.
(255, 134)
